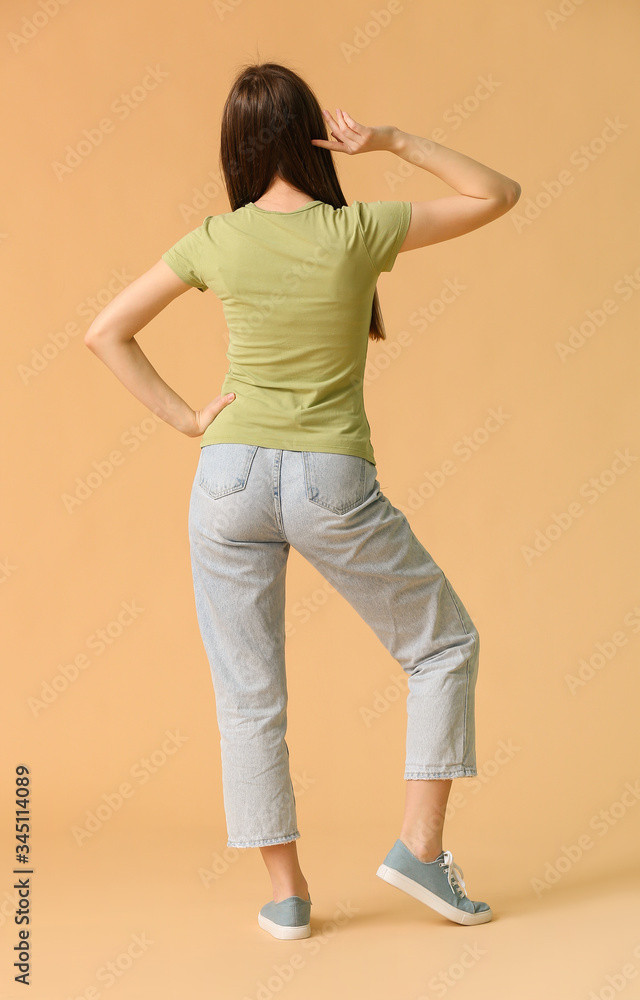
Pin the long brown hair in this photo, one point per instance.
(268, 120)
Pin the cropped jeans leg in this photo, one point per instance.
(373, 558)
(239, 586)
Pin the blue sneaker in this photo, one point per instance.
(437, 883)
(287, 919)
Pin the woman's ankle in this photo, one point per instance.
(424, 851)
(284, 890)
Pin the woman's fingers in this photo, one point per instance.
(343, 128)
(341, 121)
(353, 125)
(346, 123)
(335, 131)
(328, 143)
(205, 416)
(333, 124)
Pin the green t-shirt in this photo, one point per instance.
(296, 290)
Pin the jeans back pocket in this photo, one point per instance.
(337, 482)
(224, 467)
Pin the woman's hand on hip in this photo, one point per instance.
(202, 418)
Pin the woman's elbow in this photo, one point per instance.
(91, 337)
(513, 193)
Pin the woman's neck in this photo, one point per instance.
(282, 197)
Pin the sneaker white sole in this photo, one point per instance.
(418, 891)
(282, 931)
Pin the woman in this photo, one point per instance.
(286, 459)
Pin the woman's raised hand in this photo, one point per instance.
(352, 137)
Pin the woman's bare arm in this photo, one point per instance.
(111, 337)
(484, 193)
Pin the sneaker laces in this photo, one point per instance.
(454, 874)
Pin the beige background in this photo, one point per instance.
(537, 87)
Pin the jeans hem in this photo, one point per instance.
(284, 839)
(451, 772)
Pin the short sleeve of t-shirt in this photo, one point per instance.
(383, 225)
(184, 258)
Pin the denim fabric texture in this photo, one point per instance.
(248, 506)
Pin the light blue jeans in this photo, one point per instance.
(249, 505)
